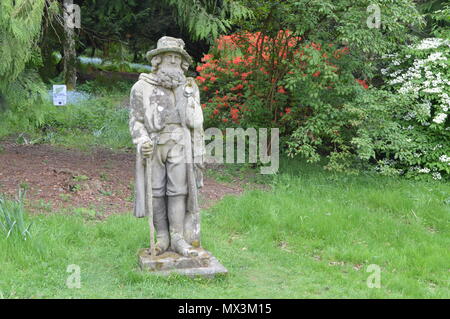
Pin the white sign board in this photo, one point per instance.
(59, 95)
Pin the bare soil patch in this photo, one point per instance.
(58, 178)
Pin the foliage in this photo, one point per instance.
(309, 90)
(12, 218)
(437, 16)
(399, 129)
(421, 74)
(20, 25)
(235, 83)
(321, 83)
(209, 18)
(129, 28)
(253, 80)
(23, 93)
(343, 23)
(99, 121)
(103, 86)
(441, 27)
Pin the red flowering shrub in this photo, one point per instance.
(243, 78)
(302, 88)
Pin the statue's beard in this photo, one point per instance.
(170, 78)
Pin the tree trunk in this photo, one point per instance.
(70, 57)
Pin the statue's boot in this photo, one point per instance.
(176, 212)
(161, 224)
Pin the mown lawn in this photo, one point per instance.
(312, 236)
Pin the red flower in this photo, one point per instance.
(281, 90)
(245, 74)
(237, 87)
(316, 46)
(316, 74)
(205, 88)
(207, 57)
(216, 111)
(363, 83)
(224, 120)
(287, 110)
(234, 113)
(201, 79)
(237, 60)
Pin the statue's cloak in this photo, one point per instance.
(146, 121)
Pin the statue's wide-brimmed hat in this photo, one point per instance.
(169, 44)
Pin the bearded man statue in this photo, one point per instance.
(166, 124)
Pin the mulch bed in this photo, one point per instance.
(58, 178)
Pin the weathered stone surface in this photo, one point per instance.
(204, 265)
(166, 125)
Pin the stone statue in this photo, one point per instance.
(166, 124)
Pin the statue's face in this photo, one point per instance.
(171, 60)
(169, 70)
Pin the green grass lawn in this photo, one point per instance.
(312, 236)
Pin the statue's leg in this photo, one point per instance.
(159, 200)
(161, 224)
(176, 212)
(177, 194)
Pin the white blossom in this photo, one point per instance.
(433, 90)
(436, 175)
(440, 118)
(431, 43)
(444, 158)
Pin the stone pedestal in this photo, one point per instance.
(204, 265)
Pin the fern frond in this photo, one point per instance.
(208, 19)
(20, 25)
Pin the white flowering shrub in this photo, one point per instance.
(422, 73)
(403, 127)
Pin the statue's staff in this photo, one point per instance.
(149, 196)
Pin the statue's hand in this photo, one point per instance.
(147, 150)
(198, 162)
(200, 166)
